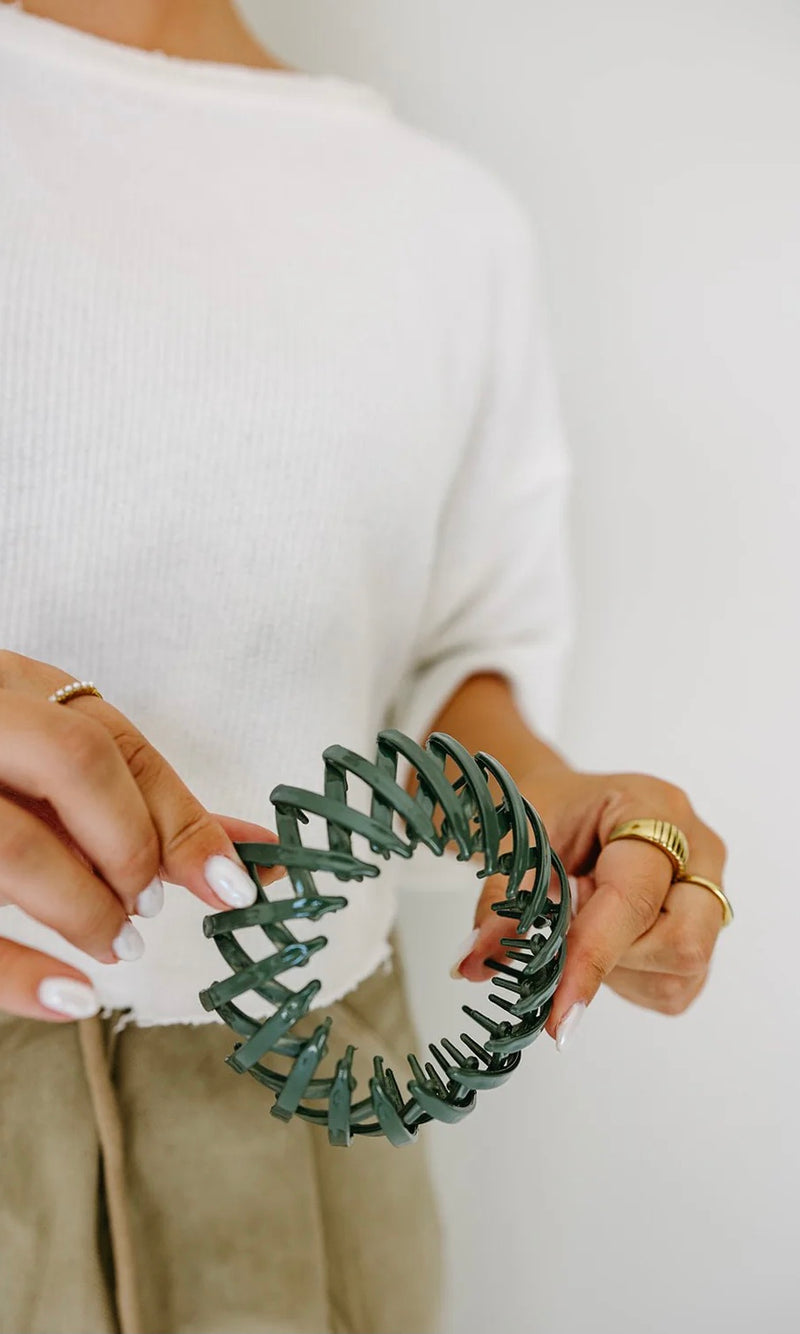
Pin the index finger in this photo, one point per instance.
(632, 880)
(195, 849)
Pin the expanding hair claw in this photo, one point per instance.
(475, 824)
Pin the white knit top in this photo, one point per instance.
(280, 463)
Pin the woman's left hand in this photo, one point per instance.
(648, 938)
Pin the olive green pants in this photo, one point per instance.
(224, 1219)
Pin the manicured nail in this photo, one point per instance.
(128, 944)
(151, 900)
(230, 882)
(573, 893)
(464, 949)
(67, 996)
(568, 1024)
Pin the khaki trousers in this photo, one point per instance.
(224, 1219)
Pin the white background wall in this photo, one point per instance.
(646, 1181)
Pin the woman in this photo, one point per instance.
(281, 467)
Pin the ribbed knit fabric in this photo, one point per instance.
(280, 463)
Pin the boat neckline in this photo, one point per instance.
(60, 42)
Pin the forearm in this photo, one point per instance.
(483, 715)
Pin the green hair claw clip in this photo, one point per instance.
(471, 819)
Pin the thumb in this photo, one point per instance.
(491, 929)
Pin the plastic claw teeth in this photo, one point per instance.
(475, 1047)
(475, 823)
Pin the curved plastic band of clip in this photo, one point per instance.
(475, 824)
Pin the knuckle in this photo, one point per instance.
(677, 801)
(139, 862)
(635, 903)
(10, 666)
(18, 844)
(594, 965)
(195, 824)
(136, 751)
(642, 908)
(690, 953)
(674, 995)
(616, 807)
(718, 847)
(85, 745)
(641, 794)
(98, 918)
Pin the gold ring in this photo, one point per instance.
(664, 835)
(74, 688)
(727, 910)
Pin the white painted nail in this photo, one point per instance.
(573, 893)
(128, 944)
(568, 1024)
(151, 900)
(230, 882)
(67, 996)
(464, 949)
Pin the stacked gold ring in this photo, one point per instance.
(675, 844)
(716, 890)
(665, 835)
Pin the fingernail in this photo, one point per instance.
(67, 996)
(464, 949)
(128, 944)
(568, 1024)
(230, 882)
(151, 900)
(573, 893)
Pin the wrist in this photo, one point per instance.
(482, 715)
(568, 801)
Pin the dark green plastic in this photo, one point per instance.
(475, 825)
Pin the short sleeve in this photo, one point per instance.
(500, 595)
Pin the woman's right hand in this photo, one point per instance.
(91, 817)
